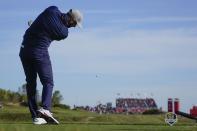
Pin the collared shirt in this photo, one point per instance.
(47, 27)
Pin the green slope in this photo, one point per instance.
(18, 114)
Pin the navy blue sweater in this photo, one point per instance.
(47, 27)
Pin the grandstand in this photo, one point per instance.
(135, 105)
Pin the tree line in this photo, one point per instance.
(20, 96)
(10, 96)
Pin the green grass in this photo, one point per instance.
(16, 118)
(93, 127)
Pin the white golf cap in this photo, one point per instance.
(77, 16)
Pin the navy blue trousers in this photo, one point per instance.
(37, 63)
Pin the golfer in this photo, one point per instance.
(50, 25)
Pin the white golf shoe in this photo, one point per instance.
(39, 121)
(47, 115)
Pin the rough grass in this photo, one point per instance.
(17, 118)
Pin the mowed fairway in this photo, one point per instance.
(16, 118)
(93, 127)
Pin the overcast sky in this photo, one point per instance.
(127, 47)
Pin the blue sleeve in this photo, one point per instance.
(54, 25)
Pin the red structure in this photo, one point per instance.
(170, 105)
(176, 105)
(193, 111)
(135, 105)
